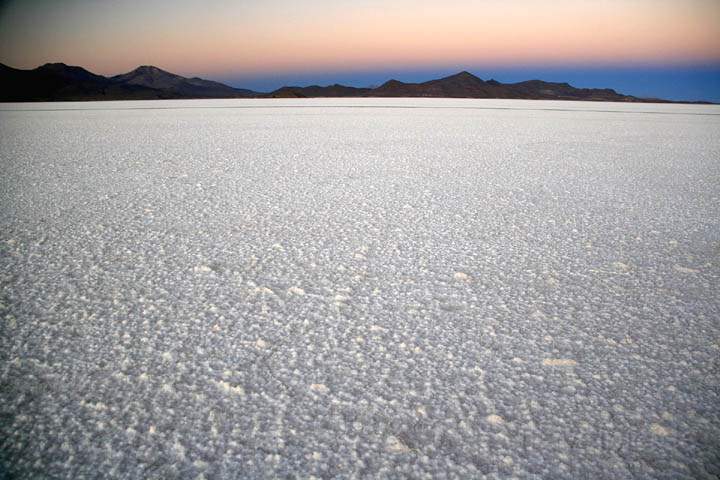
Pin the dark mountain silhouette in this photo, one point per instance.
(467, 85)
(157, 79)
(460, 85)
(317, 91)
(57, 81)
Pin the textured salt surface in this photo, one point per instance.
(441, 289)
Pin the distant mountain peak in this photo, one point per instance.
(149, 70)
(464, 76)
(392, 83)
(59, 67)
(150, 76)
(177, 86)
(68, 72)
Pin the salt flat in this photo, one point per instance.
(405, 288)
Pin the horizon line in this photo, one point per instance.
(427, 70)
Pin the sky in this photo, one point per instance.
(668, 48)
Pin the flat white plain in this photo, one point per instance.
(352, 287)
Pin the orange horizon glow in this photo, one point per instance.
(283, 36)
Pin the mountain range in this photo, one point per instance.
(60, 82)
